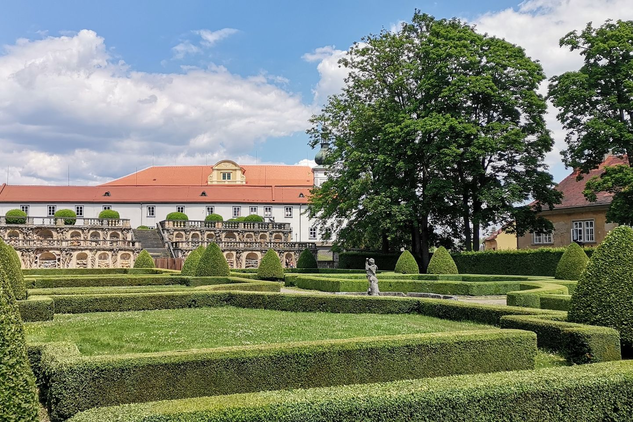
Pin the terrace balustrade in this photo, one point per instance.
(59, 221)
(225, 225)
(247, 246)
(72, 243)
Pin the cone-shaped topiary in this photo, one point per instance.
(10, 263)
(191, 263)
(407, 264)
(16, 217)
(18, 395)
(306, 260)
(604, 295)
(442, 263)
(144, 260)
(270, 267)
(572, 263)
(212, 263)
(69, 216)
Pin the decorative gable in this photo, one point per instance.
(227, 172)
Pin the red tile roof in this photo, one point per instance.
(155, 194)
(259, 175)
(572, 188)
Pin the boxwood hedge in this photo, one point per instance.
(10, 264)
(37, 308)
(144, 260)
(77, 383)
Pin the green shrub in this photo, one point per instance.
(407, 264)
(254, 218)
(10, 264)
(307, 260)
(16, 217)
(572, 263)
(212, 262)
(43, 282)
(442, 263)
(213, 217)
(69, 216)
(270, 267)
(191, 263)
(79, 383)
(144, 260)
(555, 302)
(236, 219)
(356, 260)
(37, 308)
(90, 271)
(18, 395)
(177, 216)
(604, 295)
(109, 214)
(144, 228)
(531, 293)
(533, 262)
(583, 393)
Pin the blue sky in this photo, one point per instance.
(104, 88)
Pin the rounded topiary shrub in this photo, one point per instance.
(254, 218)
(18, 395)
(213, 217)
(572, 263)
(407, 264)
(16, 217)
(237, 219)
(604, 295)
(177, 216)
(307, 260)
(10, 264)
(144, 260)
(191, 263)
(270, 267)
(109, 214)
(442, 263)
(69, 216)
(212, 263)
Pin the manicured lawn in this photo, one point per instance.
(182, 329)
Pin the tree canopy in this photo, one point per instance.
(596, 109)
(437, 124)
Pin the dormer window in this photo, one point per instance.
(107, 193)
(203, 193)
(301, 195)
(226, 175)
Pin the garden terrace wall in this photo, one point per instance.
(75, 383)
(580, 393)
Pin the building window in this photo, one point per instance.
(313, 233)
(582, 231)
(25, 209)
(252, 210)
(237, 212)
(107, 207)
(210, 210)
(180, 208)
(543, 238)
(51, 210)
(151, 211)
(79, 210)
(288, 212)
(268, 211)
(226, 176)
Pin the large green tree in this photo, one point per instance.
(596, 109)
(437, 125)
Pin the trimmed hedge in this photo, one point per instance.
(582, 393)
(212, 262)
(406, 264)
(177, 216)
(530, 295)
(577, 342)
(37, 308)
(270, 267)
(307, 260)
(15, 216)
(18, 395)
(253, 218)
(112, 280)
(191, 263)
(78, 383)
(144, 260)
(441, 263)
(356, 260)
(10, 264)
(109, 214)
(556, 302)
(533, 262)
(214, 217)
(604, 295)
(572, 263)
(69, 216)
(92, 271)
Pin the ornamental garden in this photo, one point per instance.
(271, 344)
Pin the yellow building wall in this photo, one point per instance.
(236, 175)
(502, 242)
(563, 224)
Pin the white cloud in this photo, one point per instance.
(306, 162)
(184, 49)
(332, 75)
(209, 38)
(65, 102)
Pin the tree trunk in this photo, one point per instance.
(476, 226)
(385, 243)
(423, 242)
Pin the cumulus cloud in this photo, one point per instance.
(64, 101)
(207, 40)
(306, 162)
(331, 74)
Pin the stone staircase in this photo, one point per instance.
(152, 243)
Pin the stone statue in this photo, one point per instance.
(371, 268)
